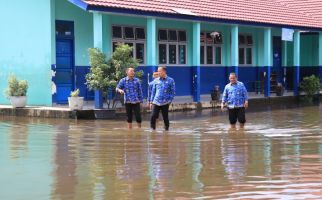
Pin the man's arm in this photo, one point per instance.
(224, 98)
(140, 95)
(173, 90)
(120, 87)
(245, 93)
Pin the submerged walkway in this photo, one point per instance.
(179, 104)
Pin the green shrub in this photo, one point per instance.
(16, 87)
(105, 73)
(310, 85)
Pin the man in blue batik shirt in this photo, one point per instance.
(130, 86)
(162, 94)
(236, 98)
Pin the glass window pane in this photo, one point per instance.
(117, 32)
(172, 54)
(202, 37)
(209, 55)
(202, 55)
(249, 40)
(140, 33)
(182, 36)
(115, 44)
(218, 55)
(241, 56)
(241, 39)
(162, 54)
(140, 52)
(128, 33)
(173, 35)
(249, 56)
(163, 35)
(209, 39)
(64, 29)
(131, 45)
(182, 54)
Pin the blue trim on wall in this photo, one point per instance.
(79, 3)
(212, 76)
(87, 7)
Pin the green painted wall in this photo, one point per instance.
(83, 27)
(309, 50)
(26, 47)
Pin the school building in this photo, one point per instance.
(201, 42)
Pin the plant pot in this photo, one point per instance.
(18, 101)
(76, 103)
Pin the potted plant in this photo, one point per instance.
(311, 86)
(17, 91)
(104, 74)
(75, 102)
(279, 89)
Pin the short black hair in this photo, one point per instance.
(163, 67)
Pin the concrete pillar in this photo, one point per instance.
(151, 41)
(320, 56)
(98, 43)
(234, 49)
(284, 60)
(267, 60)
(296, 62)
(196, 60)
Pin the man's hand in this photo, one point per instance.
(120, 91)
(246, 104)
(222, 107)
(150, 106)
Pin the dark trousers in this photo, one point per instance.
(165, 114)
(237, 114)
(137, 112)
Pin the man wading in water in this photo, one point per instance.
(236, 98)
(130, 86)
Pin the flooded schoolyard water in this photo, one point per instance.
(277, 156)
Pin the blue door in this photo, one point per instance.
(64, 68)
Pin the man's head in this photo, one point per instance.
(162, 71)
(232, 78)
(155, 74)
(130, 72)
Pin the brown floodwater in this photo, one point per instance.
(277, 156)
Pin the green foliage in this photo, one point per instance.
(16, 87)
(310, 85)
(75, 93)
(105, 73)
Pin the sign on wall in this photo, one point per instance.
(287, 34)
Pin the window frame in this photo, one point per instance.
(245, 47)
(134, 41)
(214, 49)
(176, 43)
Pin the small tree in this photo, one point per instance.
(311, 86)
(104, 74)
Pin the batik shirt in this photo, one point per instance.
(132, 90)
(163, 91)
(151, 84)
(235, 95)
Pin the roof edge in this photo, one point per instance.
(80, 4)
(195, 18)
